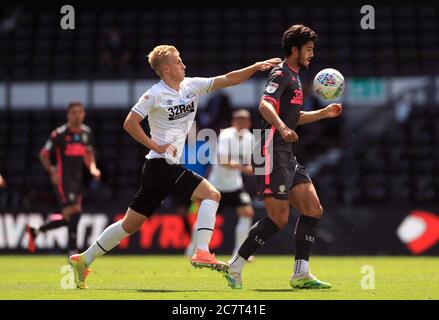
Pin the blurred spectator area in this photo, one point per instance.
(23, 134)
(212, 40)
(400, 165)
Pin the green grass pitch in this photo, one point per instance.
(153, 277)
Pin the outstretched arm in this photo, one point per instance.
(238, 76)
(331, 111)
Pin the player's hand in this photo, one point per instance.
(96, 173)
(169, 148)
(288, 135)
(333, 110)
(2, 182)
(268, 64)
(54, 178)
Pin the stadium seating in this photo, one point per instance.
(212, 40)
(399, 166)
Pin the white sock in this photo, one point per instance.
(241, 231)
(301, 267)
(206, 222)
(106, 241)
(236, 263)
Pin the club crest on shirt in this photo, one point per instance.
(281, 189)
(271, 87)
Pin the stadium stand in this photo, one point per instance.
(212, 40)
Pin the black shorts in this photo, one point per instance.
(234, 199)
(68, 192)
(285, 174)
(160, 179)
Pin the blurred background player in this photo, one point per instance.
(233, 159)
(281, 180)
(170, 106)
(72, 146)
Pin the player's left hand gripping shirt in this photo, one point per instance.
(171, 113)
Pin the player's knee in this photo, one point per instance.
(130, 226)
(77, 208)
(315, 211)
(247, 212)
(214, 195)
(281, 220)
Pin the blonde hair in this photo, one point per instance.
(160, 54)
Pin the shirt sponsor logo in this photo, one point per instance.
(75, 150)
(272, 87)
(297, 98)
(180, 111)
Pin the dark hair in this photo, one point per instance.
(296, 36)
(74, 104)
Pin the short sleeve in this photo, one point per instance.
(145, 104)
(276, 85)
(202, 85)
(49, 146)
(90, 142)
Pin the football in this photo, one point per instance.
(329, 84)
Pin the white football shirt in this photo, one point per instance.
(171, 113)
(235, 147)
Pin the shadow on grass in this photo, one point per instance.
(329, 291)
(158, 290)
(295, 291)
(167, 291)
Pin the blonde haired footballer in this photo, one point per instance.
(170, 106)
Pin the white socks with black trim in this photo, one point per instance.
(206, 223)
(110, 238)
(301, 267)
(236, 263)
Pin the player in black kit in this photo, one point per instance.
(71, 146)
(281, 180)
